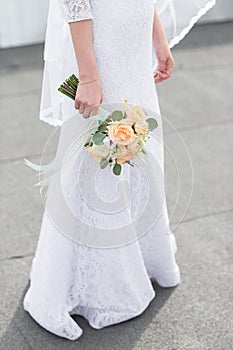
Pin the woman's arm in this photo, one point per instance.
(162, 51)
(89, 93)
(78, 14)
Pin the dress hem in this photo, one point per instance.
(124, 318)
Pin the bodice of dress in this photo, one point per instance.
(77, 10)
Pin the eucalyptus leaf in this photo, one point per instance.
(117, 115)
(103, 163)
(98, 138)
(117, 169)
(102, 127)
(152, 123)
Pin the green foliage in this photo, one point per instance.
(117, 169)
(117, 116)
(69, 86)
(152, 123)
(98, 138)
(103, 127)
(103, 163)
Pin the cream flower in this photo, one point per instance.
(141, 127)
(134, 113)
(98, 152)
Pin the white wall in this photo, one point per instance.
(23, 22)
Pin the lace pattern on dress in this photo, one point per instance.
(76, 10)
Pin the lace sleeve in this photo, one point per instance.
(76, 10)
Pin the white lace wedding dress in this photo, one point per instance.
(105, 285)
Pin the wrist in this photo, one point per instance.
(88, 76)
(87, 67)
(82, 82)
(88, 71)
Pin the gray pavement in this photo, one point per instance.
(197, 100)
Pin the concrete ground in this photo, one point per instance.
(198, 101)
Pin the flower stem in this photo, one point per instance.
(69, 86)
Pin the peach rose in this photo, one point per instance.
(134, 113)
(121, 132)
(141, 127)
(125, 155)
(98, 152)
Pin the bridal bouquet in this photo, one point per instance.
(119, 138)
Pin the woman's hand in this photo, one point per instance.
(88, 98)
(162, 51)
(165, 63)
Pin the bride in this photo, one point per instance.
(113, 47)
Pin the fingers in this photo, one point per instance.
(169, 68)
(94, 111)
(160, 76)
(87, 107)
(163, 71)
(87, 111)
(77, 104)
(81, 109)
(90, 111)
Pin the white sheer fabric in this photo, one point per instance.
(106, 286)
(179, 16)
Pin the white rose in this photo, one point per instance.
(109, 143)
(98, 152)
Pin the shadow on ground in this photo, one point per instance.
(24, 333)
